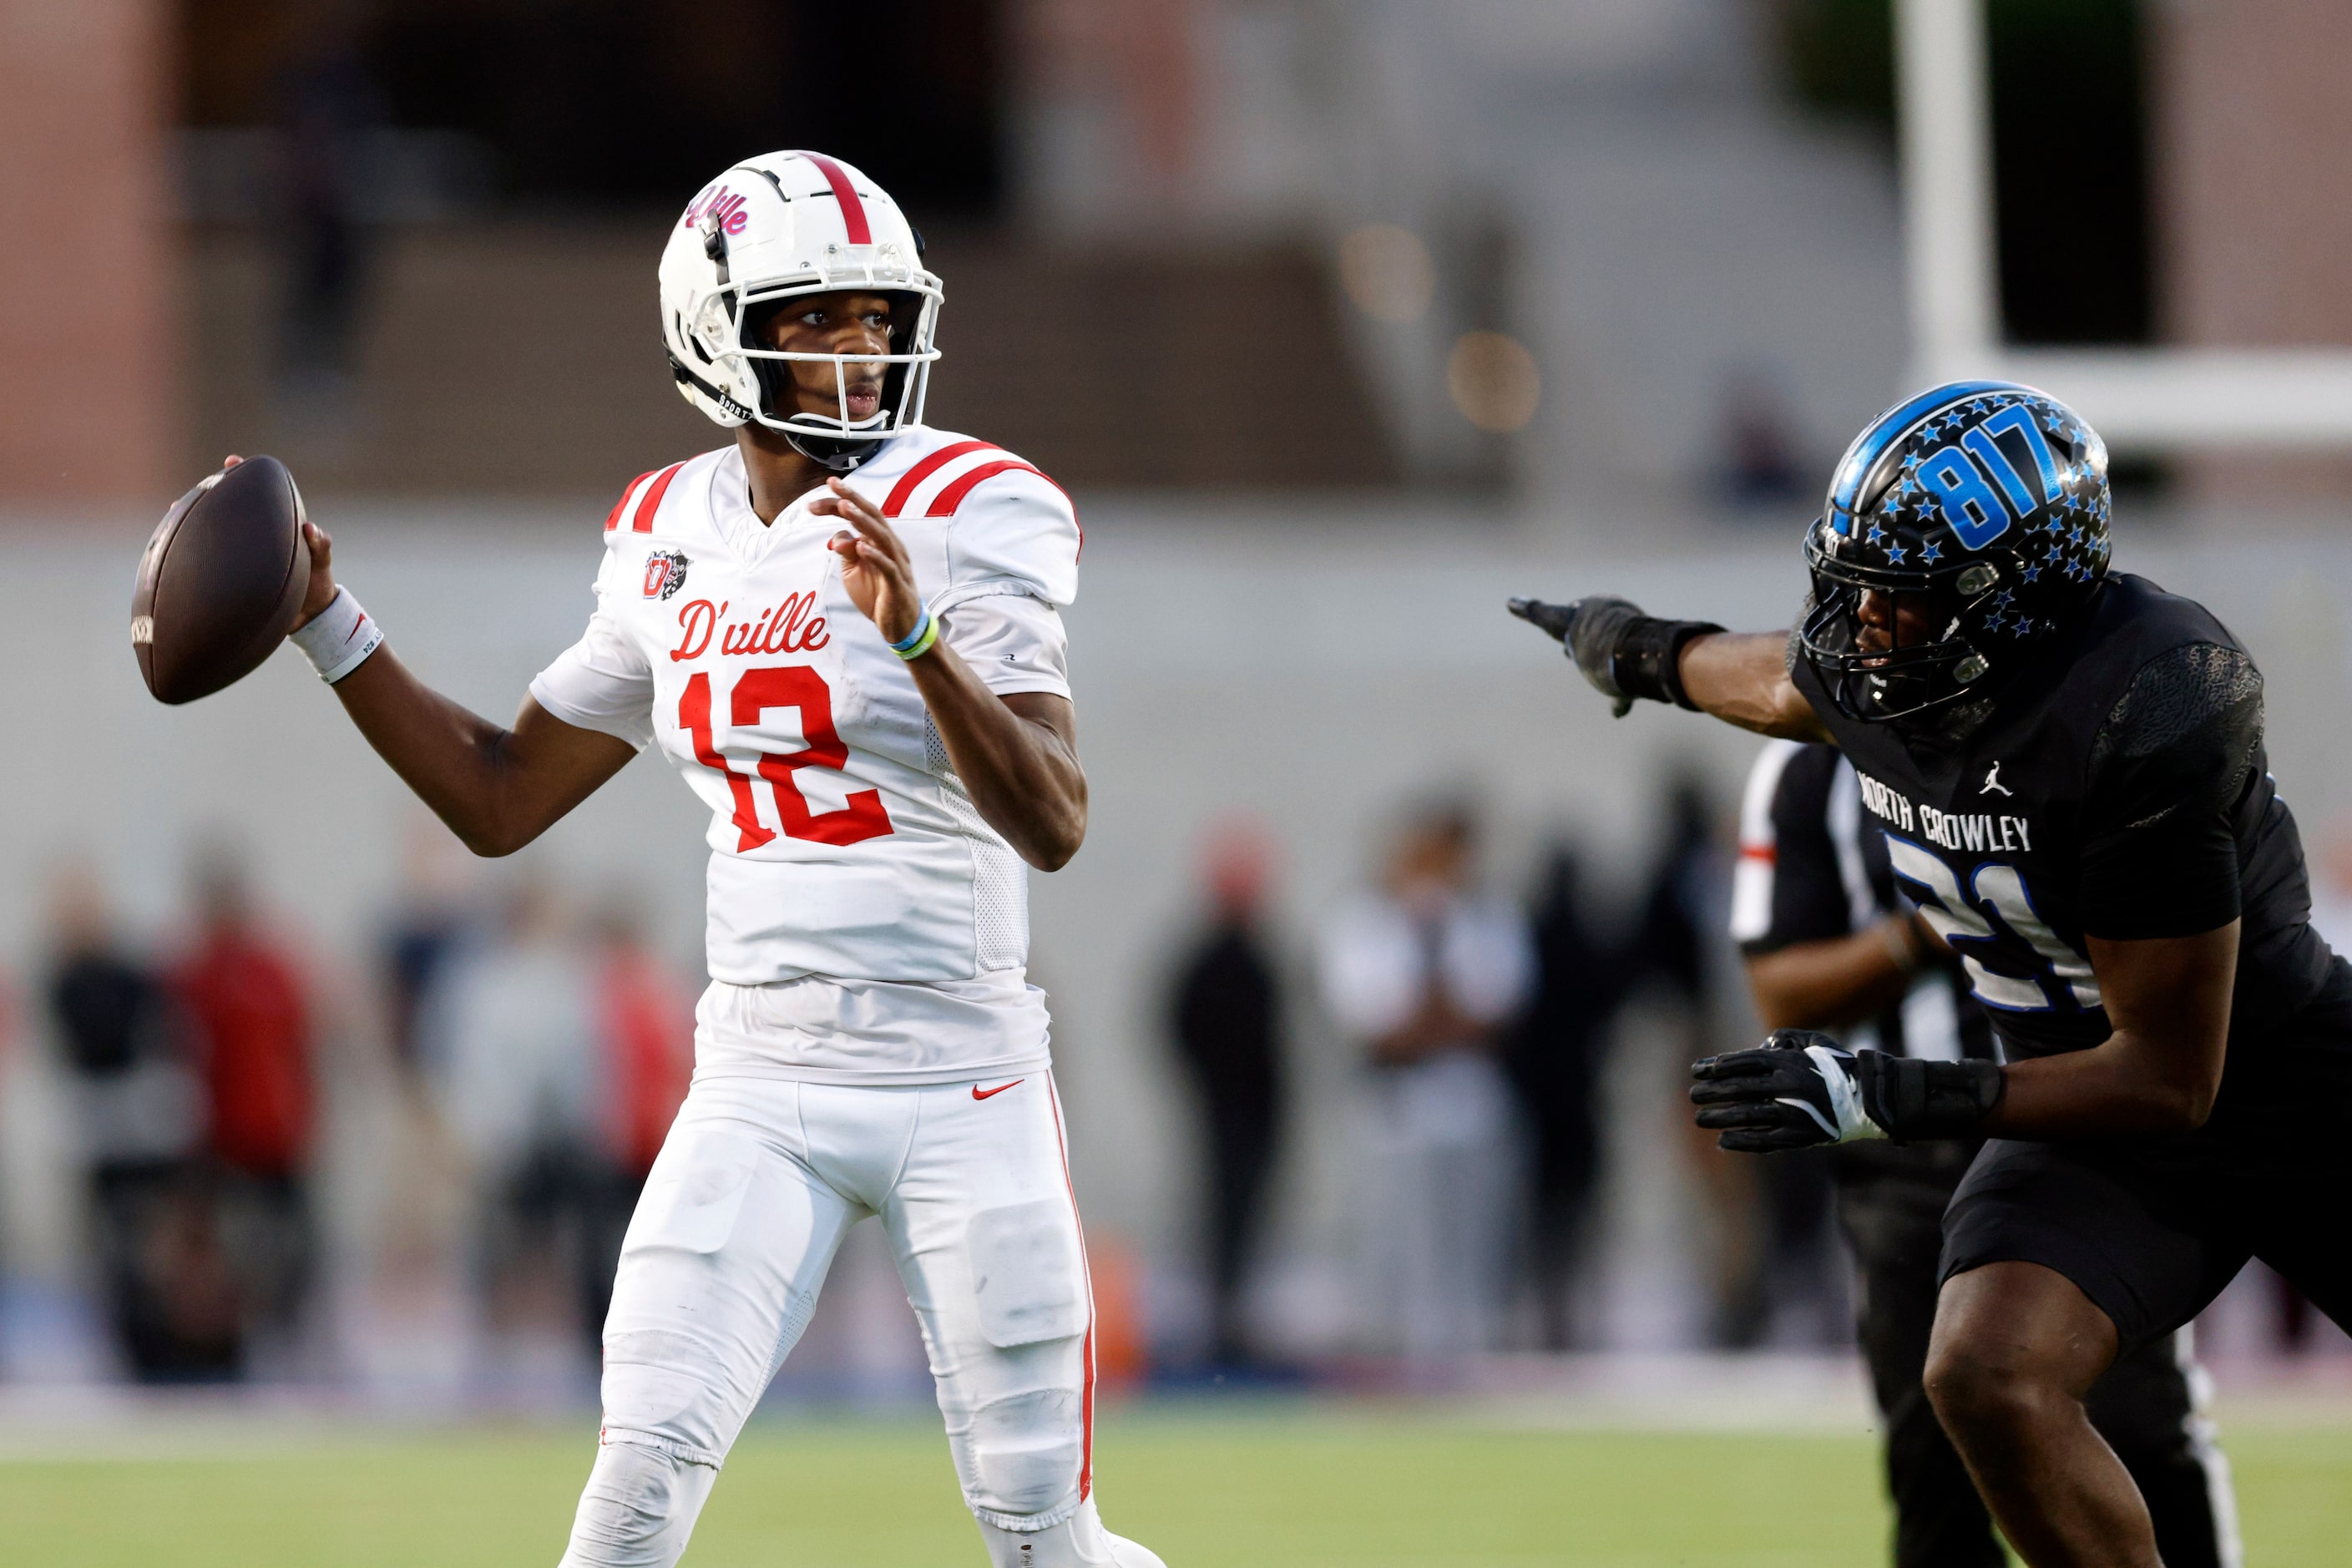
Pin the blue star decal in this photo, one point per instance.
(2031, 573)
(1930, 554)
(1894, 555)
(1994, 622)
(2004, 598)
(1876, 535)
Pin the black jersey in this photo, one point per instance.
(2117, 787)
(1813, 868)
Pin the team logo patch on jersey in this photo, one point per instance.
(665, 573)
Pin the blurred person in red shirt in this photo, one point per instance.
(247, 1008)
(645, 1020)
(648, 1029)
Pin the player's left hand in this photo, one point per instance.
(1590, 630)
(874, 565)
(1800, 1088)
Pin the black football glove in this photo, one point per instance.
(1801, 1088)
(1622, 652)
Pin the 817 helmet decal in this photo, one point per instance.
(1986, 500)
(770, 229)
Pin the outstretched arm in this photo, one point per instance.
(1017, 754)
(498, 789)
(1742, 679)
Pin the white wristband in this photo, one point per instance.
(338, 639)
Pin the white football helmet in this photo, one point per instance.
(769, 229)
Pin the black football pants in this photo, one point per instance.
(1891, 1210)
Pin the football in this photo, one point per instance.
(221, 580)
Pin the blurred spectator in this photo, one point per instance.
(646, 1022)
(327, 107)
(1555, 1060)
(1772, 1216)
(426, 931)
(248, 1014)
(513, 1040)
(141, 1119)
(1759, 452)
(1426, 973)
(1227, 1016)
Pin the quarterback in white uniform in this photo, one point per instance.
(843, 629)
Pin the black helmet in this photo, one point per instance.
(1988, 499)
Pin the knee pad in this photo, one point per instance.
(1023, 1453)
(1079, 1542)
(667, 1389)
(638, 1508)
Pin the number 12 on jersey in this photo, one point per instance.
(756, 692)
(1999, 894)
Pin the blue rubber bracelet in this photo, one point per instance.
(912, 637)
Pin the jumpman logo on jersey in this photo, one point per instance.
(1992, 781)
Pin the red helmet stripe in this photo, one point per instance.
(642, 521)
(852, 210)
(914, 477)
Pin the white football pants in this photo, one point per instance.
(760, 1180)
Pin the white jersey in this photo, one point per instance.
(850, 875)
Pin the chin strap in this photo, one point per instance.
(846, 456)
(829, 452)
(685, 376)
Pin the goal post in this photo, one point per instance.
(2139, 399)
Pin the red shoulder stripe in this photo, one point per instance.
(642, 521)
(612, 518)
(914, 476)
(945, 504)
(950, 497)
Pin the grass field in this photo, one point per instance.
(1297, 1489)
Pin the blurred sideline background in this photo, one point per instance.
(1341, 322)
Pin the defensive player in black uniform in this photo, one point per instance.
(2068, 765)
(1830, 944)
